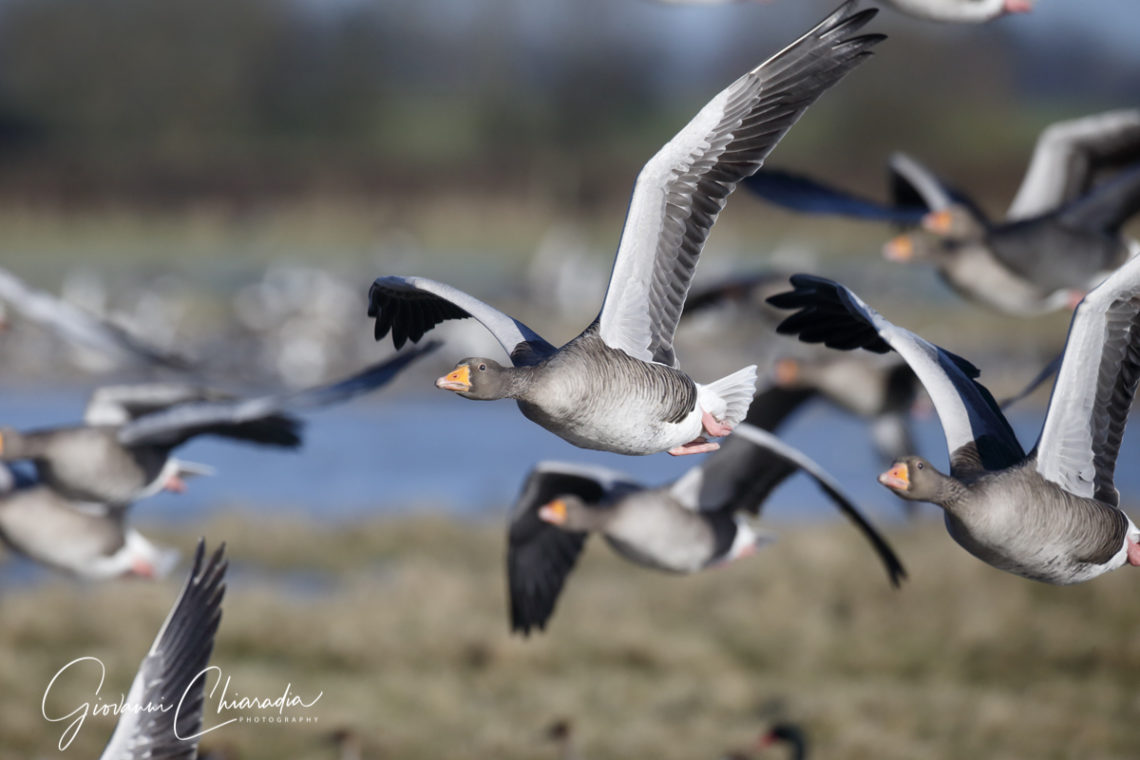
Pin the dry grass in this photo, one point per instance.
(402, 624)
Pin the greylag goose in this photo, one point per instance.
(1052, 515)
(1061, 234)
(123, 454)
(618, 386)
(170, 676)
(683, 527)
(86, 540)
(83, 328)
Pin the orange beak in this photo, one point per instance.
(554, 512)
(1, 444)
(458, 380)
(938, 221)
(1018, 6)
(897, 478)
(787, 371)
(899, 248)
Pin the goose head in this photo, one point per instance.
(914, 478)
(572, 513)
(478, 378)
(956, 222)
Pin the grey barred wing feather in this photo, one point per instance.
(1094, 390)
(1068, 156)
(683, 188)
(831, 314)
(539, 555)
(410, 306)
(170, 675)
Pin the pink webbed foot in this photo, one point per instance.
(142, 569)
(174, 484)
(712, 427)
(1133, 553)
(696, 446)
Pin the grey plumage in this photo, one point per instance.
(675, 201)
(1051, 515)
(171, 674)
(681, 527)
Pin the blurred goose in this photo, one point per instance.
(83, 328)
(123, 453)
(84, 539)
(170, 676)
(618, 386)
(683, 527)
(1052, 515)
(1061, 234)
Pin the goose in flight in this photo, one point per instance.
(84, 539)
(618, 386)
(123, 452)
(1061, 234)
(1052, 515)
(171, 677)
(693, 523)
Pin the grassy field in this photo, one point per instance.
(402, 625)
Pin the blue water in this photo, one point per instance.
(391, 453)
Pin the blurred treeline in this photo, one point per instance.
(156, 102)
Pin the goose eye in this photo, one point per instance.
(482, 367)
(920, 465)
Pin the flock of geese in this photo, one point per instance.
(1051, 515)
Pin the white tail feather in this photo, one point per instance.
(728, 399)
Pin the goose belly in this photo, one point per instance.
(630, 428)
(668, 539)
(95, 470)
(612, 402)
(1038, 538)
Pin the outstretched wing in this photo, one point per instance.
(750, 464)
(264, 419)
(1068, 156)
(682, 189)
(119, 404)
(833, 315)
(170, 674)
(808, 196)
(410, 306)
(541, 555)
(1094, 390)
